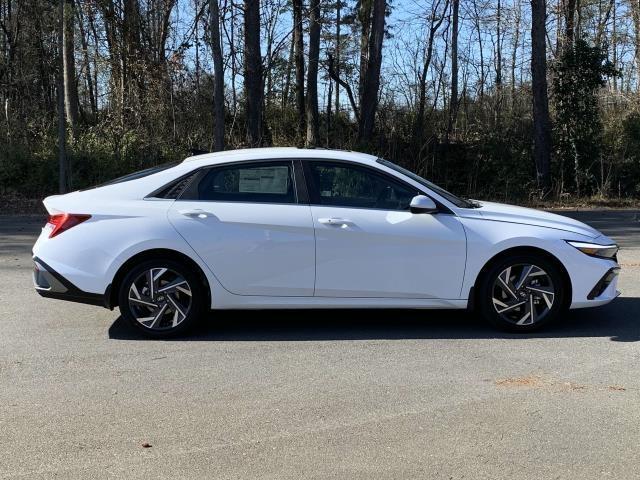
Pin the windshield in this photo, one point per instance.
(457, 201)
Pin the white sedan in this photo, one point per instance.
(306, 228)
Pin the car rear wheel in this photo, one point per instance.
(522, 293)
(161, 298)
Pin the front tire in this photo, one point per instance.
(161, 298)
(522, 293)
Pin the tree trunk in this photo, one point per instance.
(287, 82)
(87, 64)
(569, 23)
(252, 72)
(514, 52)
(499, 46)
(60, 94)
(69, 64)
(478, 20)
(313, 133)
(218, 76)
(364, 16)
(299, 61)
(453, 100)
(329, 114)
(371, 85)
(345, 85)
(541, 122)
(338, 21)
(635, 13)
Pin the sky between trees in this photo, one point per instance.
(95, 88)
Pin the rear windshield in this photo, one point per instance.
(139, 174)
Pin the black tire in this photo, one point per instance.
(172, 306)
(496, 300)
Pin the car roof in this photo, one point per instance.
(274, 153)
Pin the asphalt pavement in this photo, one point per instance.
(325, 394)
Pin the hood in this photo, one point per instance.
(528, 216)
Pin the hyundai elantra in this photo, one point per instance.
(308, 228)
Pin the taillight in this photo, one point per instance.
(60, 222)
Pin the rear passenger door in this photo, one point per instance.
(248, 224)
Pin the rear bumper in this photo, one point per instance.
(50, 284)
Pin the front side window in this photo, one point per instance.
(343, 185)
(457, 201)
(252, 183)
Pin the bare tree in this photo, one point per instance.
(69, 63)
(541, 121)
(62, 129)
(514, 52)
(569, 12)
(313, 135)
(635, 13)
(369, 102)
(299, 61)
(498, 65)
(252, 72)
(91, 87)
(218, 76)
(334, 75)
(477, 20)
(436, 18)
(453, 99)
(364, 17)
(338, 47)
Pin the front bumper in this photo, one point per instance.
(604, 283)
(603, 291)
(50, 284)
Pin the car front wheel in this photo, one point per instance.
(161, 298)
(521, 293)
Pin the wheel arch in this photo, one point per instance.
(521, 250)
(164, 253)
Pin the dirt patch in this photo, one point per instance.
(617, 388)
(528, 381)
(540, 381)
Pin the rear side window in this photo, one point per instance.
(175, 188)
(263, 182)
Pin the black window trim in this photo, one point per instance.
(314, 195)
(302, 182)
(155, 195)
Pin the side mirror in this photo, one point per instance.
(422, 204)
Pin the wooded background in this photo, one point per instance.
(502, 99)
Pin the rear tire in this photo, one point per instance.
(161, 298)
(522, 293)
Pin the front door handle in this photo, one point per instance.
(196, 212)
(340, 222)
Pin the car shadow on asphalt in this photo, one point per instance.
(620, 321)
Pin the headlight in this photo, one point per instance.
(595, 250)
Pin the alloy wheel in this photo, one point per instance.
(160, 298)
(523, 294)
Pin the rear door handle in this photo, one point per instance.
(196, 212)
(340, 222)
